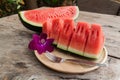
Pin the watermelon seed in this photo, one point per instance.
(67, 13)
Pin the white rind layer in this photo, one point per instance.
(94, 56)
(27, 21)
(77, 13)
(40, 24)
(75, 51)
(62, 46)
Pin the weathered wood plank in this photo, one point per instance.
(99, 6)
(17, 62)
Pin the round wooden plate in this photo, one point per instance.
(68, 67)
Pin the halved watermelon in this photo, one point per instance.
(79, 38)
(66, 34)
(37, 17)
(95, 42)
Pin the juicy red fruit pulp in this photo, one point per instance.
(95, 41)
(84, 39)
(78, 40)
(66, 34)
(57, 25)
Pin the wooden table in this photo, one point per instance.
(17, 62)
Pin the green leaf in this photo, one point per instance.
(11, 1)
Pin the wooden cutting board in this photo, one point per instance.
(68, 67)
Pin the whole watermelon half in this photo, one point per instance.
(34, 19)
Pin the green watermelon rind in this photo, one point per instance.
(72, 50)
(63, 47)
(29, 22)
(75, 51)
(77, 13)
(31, 25)
(92, 56)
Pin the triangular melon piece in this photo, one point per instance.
(57, 25)
(66, 34)
(95, 42)
(47, 27)
(79, 38)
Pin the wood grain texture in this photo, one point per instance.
(17, 62)
(99, 6)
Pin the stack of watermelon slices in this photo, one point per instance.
(83, 39)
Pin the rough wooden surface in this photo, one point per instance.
(99, 6)
(17, 62)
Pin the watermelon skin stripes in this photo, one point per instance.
(83, 39)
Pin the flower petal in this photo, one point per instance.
(49, 42)
(36, 38)
(50, 48)
(43, 36)
(40, 49)
(32, 45)
(48, 45)
(41, 43)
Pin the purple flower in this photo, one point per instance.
(41, 43)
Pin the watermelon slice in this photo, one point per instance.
(66, 34)
(84, 39)
(37, 17)
(57, 25)
(95, 42)
(79, 38)
(47, 26)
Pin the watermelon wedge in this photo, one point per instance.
(47, 26)
(37, 17)
(79, 38)
(83, 39)
(66, 34)
(57, 25)
(95, 42)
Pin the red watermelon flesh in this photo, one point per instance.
(84, 39)
(66, 34)
(37, 17)
(57, 25)
(47, 26)
(95, 42)
(79, 38)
